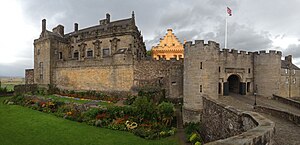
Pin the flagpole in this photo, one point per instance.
(226, 31)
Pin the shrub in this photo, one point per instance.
(145, 109)
(166, 111)
(129, 100)
(90, 114)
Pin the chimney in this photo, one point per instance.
(107, 17)
(132, 15)
(43, 25)
(288, 58)
(75, 27)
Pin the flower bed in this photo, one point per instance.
(142, 118)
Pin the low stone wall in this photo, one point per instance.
(225, 125)
(21, 89)
(287, 101)
(279, 113)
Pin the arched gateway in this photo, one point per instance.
(234, 85)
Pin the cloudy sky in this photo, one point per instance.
(254, 25)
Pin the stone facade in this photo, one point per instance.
(213, 72)
(109, 57)
(97, 58)
(168, 47)
(29, 76)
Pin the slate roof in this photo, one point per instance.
(284, 65)
(123, 22)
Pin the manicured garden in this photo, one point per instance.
(23, 125)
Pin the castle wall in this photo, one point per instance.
(162, 73)
(100, 78)
(267, 68)
(29, 76)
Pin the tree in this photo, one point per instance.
(149, 52)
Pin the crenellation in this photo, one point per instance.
(234, 51)
(242, 52)
(262, 52)
(199, 43)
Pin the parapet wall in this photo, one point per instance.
(226, 125)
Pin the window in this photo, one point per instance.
(38, 52)
(41, 70)
(105, 52)
(180, 56)
(174, 83)
(200, 88)
(294, 71)
(173, 44)
(249, 70)
(60, 55)
(163, 56)
(286, 71)
(76, 55)
(41, 65)
(219, 69)
(294, 81)
(89, 53)
(287, 81)
(165, 44)
(200, 65)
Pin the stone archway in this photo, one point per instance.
(234, 84)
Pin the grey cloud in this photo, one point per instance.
(293, 49)
(250, 28)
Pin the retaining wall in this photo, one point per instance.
(226, 125)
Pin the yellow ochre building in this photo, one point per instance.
(168, 47)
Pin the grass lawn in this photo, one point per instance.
(23, 126)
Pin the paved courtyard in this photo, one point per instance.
(286, 132)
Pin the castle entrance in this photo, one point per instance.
(234, 84)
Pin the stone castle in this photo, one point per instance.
(112, 57)
(109, 57)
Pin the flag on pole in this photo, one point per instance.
(229, 11)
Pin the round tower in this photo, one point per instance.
(200, 77)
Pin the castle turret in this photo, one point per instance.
(200, 77)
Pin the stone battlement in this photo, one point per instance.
(271, 52)
(201, 44)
